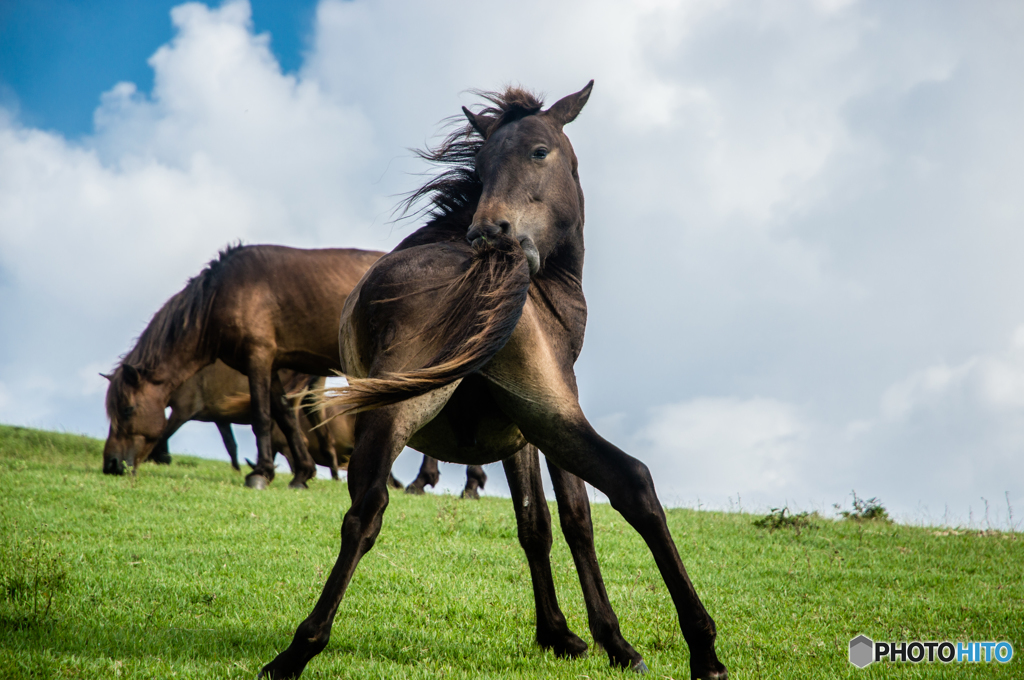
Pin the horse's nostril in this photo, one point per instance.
(505, 226)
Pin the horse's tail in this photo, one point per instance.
(475, 315)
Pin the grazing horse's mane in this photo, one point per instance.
(458, 187)
(182, 319)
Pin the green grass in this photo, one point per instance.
(182, 572)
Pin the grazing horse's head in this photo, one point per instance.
(135, 406)
(531, 189)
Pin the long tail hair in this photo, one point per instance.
(475, 316)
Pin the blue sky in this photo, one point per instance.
(56, 56)
(803, 216)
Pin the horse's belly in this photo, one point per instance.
(438, 441)
(470, 429)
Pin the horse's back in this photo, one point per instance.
(286, 301)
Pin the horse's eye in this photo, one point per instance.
(540, 153)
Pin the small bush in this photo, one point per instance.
(779, 519)
(864, 510)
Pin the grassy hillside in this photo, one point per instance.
(182, 572)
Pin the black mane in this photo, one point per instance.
(182, 319)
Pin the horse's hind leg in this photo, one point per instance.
(534, 526)
(475, 479)
(428, 476)
(323, 435)
(380, 436)
(574, 446)
(574, 514)
(228, 437)
(303, 467)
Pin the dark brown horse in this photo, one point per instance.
(461, 343)
(257, 309)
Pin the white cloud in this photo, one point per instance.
(993, 382)
(715, 448)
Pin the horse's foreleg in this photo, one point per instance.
(228, 437)
(574, 446)
(475, 479)
(534, 527)
(380, 436)
(428, 476)
(161, 451)
(578, 529)
(259, 394)
(303, 467)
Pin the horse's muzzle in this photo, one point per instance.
(113, 466)
(481, 232)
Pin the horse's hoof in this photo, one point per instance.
(297, 484)
(471, 494)
(256, 481)
(414, 490)
(639, 667)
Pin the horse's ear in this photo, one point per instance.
(131, 375)
(480, 123)
(108, 376)
(565, 110)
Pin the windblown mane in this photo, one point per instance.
(477, 310)
(457, 187)
(181, 321)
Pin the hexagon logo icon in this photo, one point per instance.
(862, 651)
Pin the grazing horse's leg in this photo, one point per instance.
(228, 437)
(574, 514)
(534, 527)
(572, 444)
(475, 479)
(303, 467)
(428, 476)
(323, 434)
(161, 453)
(380, 436)
(259, 372)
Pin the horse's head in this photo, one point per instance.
(135, 405)
(531, 189)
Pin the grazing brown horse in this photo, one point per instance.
(461, 343)
(203, 397)
(213, 396)
(257, 309)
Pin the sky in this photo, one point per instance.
(803, 217)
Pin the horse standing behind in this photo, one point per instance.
(461, 343)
